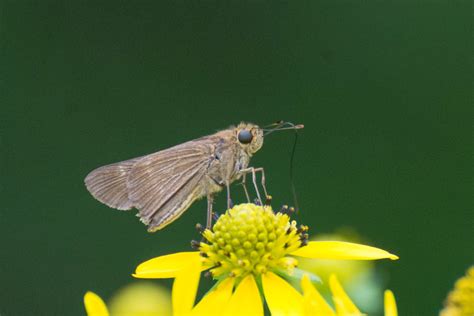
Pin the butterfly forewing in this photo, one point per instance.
(159, 182)
(160, 185)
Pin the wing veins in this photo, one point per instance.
(162, 203)
(173, 179)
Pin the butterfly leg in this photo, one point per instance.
(210, 202)
(263, 181)
(252, 170)
(229, 201)
(244, 176)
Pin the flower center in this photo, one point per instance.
(251, 239)
(460, 299)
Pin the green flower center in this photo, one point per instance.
(251, 239)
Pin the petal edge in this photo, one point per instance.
(344, 305)
(185, 285)
(390, 305)
(212, 303)
(167, 266)
(341, 250)
(281, 297)
(94, 305)
(245, 300)
(313, 302)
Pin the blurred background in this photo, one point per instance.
(383, 88)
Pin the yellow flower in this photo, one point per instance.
(250, 250)
(460, 301)
(141, 299)
(314, 303)
(94, 305)
(136, 299)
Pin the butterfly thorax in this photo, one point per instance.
(229, 158)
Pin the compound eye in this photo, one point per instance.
(245, 136)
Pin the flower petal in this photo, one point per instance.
(313, 302)
(94, 305)
(212, 303)
(342, 251)
(344, 305)
(281, 297)
(185, 286)
(245, 300)
(390, 304)
(167, 266)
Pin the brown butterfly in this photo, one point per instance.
(164, 184)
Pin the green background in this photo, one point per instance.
(383, 87)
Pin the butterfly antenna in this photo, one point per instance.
(292, 183)
(280, 126)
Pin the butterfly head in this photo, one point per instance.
(250, 137)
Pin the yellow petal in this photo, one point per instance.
(185, 286)
(344, 305)
(313, 302)
(166, 266)
(342, 251)
(245, 300)
(390, 304)
(94, 305)
(281, 297)
(212, 303)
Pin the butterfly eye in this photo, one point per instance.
(245, 136)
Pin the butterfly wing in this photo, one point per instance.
(160, 185)
(163, 185)
(108, 184)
